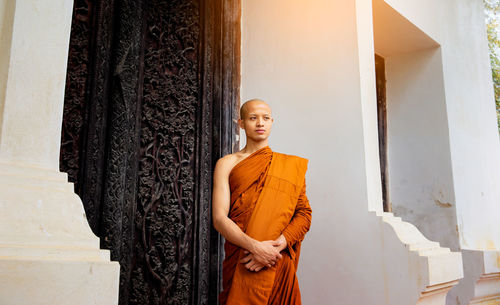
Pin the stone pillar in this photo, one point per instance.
(48, 254)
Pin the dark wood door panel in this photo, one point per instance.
(151, 97)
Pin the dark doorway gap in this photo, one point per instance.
(382, 129)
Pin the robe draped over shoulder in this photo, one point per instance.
(267, 199)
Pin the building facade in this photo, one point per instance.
(390, 100)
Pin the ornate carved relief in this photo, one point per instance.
(119, 197)
(86, 98)
(76, 93)
(160, 85)
(162, 272)
(93, 153)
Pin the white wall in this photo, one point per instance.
(458, 26)
(48, 253)
(419, 161)
(301, 58)
(34, 88)
(313, 63)
(420, 179)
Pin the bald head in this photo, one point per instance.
(248, 105)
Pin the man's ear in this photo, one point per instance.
(240, 123)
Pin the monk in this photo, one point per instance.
(260, 206)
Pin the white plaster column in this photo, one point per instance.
(48, 254)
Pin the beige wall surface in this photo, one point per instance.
(314, 65)
(48, 253)
(37, 60)
(459, 28)
(472, 191)
(420, 179)
(419, 161)
(302, 59)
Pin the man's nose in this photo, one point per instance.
(260, 122)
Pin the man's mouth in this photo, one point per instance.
(261, 130)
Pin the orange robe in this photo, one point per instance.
(267, 199)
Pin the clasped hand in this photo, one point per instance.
(265, 254)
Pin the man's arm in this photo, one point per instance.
(300, 223)
(264, 252)
(294, 232)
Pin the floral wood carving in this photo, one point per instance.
(165, 205)
(148, 111)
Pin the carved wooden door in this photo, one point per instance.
(152, 91)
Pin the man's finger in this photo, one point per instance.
(246, 259)
(249, 264)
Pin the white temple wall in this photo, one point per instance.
(308, 72)
(473, 128)
(458, 26)
(35, 88)
(419, 161)
(314, 65)
(48, 253)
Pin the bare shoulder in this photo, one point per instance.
(225, 164)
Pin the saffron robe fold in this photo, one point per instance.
(267, 199)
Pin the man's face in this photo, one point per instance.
(257, 121)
